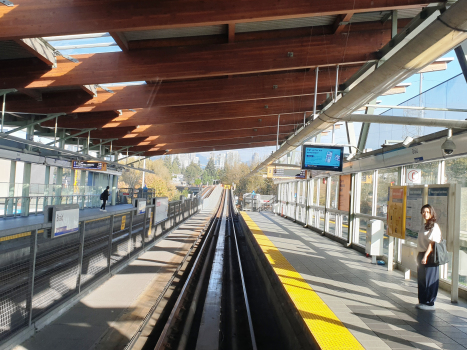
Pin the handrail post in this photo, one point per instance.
(32, 273)
(144, 227)
(5, 210)
(130, 232)
(81, 254)
(111, 232)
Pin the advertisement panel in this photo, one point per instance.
(438, 197)
(344, 192)
(161, 209)
(397, 211)
(141, 206)
(413, 219)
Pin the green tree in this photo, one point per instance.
(160, 169)
(192, 172)
(210, 169)
(130, 178)
(205, 178)
(176, 167)
(168, 164)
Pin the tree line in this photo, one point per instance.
(164, 169)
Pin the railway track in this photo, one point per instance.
(212, 309)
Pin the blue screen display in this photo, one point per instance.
(322, 158)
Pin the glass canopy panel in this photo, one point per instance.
(449, 94)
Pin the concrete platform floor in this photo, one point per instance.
(108, 317)
(377, 306)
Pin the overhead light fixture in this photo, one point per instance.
(408, 140)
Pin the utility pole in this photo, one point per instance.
(144, 167)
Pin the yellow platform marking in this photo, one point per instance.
(328, 331)
(19, 235)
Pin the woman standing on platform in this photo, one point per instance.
(427, 274)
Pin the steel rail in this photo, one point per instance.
(164, 337)
(245, 296)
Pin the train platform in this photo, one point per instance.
(345, 301)
(109, 316)
(10, 227)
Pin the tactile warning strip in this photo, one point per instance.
(328, 331)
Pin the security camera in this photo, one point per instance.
(408, 140)
(448, 147)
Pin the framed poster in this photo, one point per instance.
(413, 220)
(141, 206)
(397, 211)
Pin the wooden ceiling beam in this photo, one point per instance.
(174, 93)
(262, 35)
(226, 126)
(39, 49)
(121, 40)
(205, 136)
(204, 61)
(193, 113)
(203, 144)
(211, 148)
(231, 32)
(341, 22)
(29, 18)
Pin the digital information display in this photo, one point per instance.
(322, 158)
(87, 165)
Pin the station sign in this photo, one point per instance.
(65, 222)
(88, 165)
(286, 173)
(413, 176)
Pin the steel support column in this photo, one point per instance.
(11, 191)
(32, 274)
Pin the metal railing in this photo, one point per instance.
(39, 273)
(24, 206)
(126, 195)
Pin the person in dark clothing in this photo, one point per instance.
(104, 197)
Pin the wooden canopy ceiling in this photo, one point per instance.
(218, 73)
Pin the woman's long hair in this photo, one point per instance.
(430, 222)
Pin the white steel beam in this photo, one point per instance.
(418, 108)
(430, 36)
(387, 119)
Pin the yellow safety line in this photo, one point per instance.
(325, 327)
(18, 235)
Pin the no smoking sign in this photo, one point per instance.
(414, 176)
